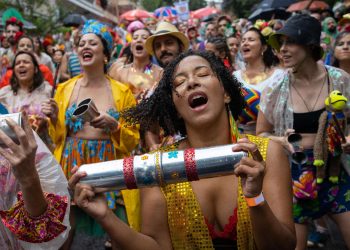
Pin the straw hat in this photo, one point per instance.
(165, 28)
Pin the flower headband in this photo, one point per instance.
(264, 28)
(14, 20)
(97, 28)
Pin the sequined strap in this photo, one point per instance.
(185, 219)
(187, 226)
(39, 229)
(245, 239)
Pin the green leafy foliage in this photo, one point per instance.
(32, 11)
(151, 5)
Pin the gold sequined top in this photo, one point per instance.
(187, 226)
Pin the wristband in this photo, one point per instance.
(255, 201)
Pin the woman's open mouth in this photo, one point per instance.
(198, 100)
(139, 48)
(245, 50)
(87, 56)
(22, 73)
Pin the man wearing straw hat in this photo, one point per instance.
(166, 43)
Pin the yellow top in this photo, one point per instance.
(187, 226)
(124, 141)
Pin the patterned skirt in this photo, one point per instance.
(78, 152)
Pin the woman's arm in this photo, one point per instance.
(154, 234)
(274, 181)
(22, 160)
(64, 75)
(115, 72)
(276, 212)
(263, 127)
(127, 137)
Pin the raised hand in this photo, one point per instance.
(251, 171)
(84, 196)
(50, 109)
(22, 156)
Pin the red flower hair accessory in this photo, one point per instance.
(15, 21)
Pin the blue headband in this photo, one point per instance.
(97, 28)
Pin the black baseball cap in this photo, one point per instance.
(303, 29)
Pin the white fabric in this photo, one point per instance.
(52, 180)
(259, 87)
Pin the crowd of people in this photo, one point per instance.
(277, 89)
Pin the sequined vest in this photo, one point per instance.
(187, 226)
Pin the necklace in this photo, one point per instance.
(260, 77)
(305, 103)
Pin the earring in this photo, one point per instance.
(105, 60)
(227, 99)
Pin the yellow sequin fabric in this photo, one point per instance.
(245, 238)
(187, 226)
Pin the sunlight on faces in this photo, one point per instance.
(25, 44)
(291, 53)
(138, 43)
(90, 51)
(24, 68)
(198, 94)
(251, 47)
(342, 49)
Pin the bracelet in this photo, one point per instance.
(255, 201)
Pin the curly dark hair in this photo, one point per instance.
(269, 58)
(38, 78)
(159, 108)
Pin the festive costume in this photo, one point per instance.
(187, 225)
(140, 83)
(72, 151)
(310, 201)
(18, 230)
(252, 93)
